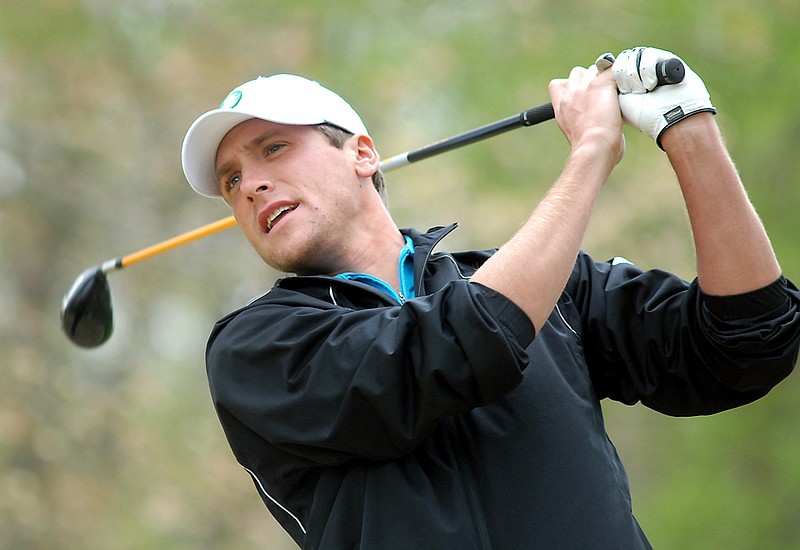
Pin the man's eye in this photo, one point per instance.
(274, 148)
(233, 181)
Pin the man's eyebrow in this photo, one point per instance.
(258, 140)
(221, 170)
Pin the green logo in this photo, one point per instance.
(232, 100)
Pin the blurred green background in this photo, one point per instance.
(119, 448)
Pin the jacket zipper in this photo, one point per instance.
(469, 484)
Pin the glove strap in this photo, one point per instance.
(676, 115)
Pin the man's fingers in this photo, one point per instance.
(577, 73)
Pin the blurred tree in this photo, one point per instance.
(119, 447)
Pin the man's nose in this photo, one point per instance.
(255, 182)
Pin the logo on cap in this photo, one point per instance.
(232, 100)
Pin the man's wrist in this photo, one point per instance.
(690, 134)
(597, 148)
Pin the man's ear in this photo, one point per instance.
(367, 158)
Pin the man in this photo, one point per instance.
(389, 396)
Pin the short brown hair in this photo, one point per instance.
(337, 137)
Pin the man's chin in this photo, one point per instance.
(295, 266)
(307, 256)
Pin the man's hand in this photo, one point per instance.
(653, 110)
(587, 109)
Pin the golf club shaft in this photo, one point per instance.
(670, 71)
(525, 118)
(169, 244)
(530, 117)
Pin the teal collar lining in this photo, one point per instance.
(405, 271)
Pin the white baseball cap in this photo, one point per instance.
(281, 98)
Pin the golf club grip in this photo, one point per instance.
(537, 114)
(670, 71)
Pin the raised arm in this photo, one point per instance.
(734, 254)
(532, 268)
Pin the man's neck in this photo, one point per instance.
(378, 256)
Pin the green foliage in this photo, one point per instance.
(119, 447)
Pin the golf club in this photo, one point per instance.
(87, 315)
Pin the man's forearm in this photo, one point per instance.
(532, 268)
(734, 254)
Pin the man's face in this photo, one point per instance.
(293, 194)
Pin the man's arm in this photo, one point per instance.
(532, 268)
(734, 254)
(330, 383)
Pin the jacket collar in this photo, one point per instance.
(424, 243)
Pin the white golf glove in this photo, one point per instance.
(653, 109)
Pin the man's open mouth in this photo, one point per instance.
(273, 218)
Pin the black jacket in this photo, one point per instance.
(445, 424)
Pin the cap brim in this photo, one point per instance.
(200, 148)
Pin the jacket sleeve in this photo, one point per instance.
(652, 337)
(329, 383)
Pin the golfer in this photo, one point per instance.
(391, 395)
